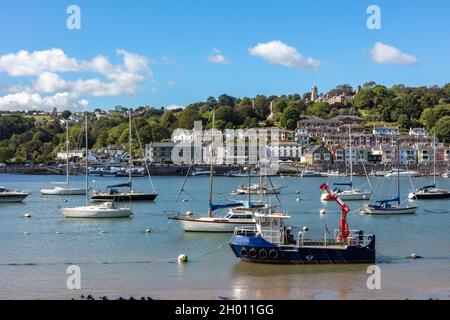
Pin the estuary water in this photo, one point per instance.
(118, 258)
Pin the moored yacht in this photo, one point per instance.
(66, 189)
(7, 196)
(105, 210)
(431, 191)
(113, 192)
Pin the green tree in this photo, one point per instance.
(66, 114)
(187, 118)
(442, 129)
(289, 118)
(320, 109)
(430, 116)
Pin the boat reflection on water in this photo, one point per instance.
(297, 281)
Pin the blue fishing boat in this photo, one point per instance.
(271, 241)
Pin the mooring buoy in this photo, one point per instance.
(182, 258)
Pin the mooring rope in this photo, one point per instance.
(209, 251)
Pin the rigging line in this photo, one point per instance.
(187, 174)
(143, 156)
(273, 188)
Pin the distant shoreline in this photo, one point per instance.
(181, 170)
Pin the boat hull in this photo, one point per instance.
(390, 211)
(91, 212)
(123, 197)
(210, 225)
(12, 198)
(422, 196)
(63, 192)
(349, 196)
(257, 250)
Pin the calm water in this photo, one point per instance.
(117, 257)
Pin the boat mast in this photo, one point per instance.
(398, 172)
(86, 162)
(211, 168)
(129, 150)
(434, 159)
(351, 154)
(261, 183)
(67, 152)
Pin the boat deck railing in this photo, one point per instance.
(277, 237)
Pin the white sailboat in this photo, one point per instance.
(104, 210)
(239, 214)
(391, 206)
(65, 190)
(350, 193)
(431, 191)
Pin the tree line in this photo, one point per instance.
(24, 138)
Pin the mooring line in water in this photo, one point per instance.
(209, 251)
(437, 211)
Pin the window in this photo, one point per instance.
(316, 156)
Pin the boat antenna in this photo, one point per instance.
(211, 168)
(67, 152)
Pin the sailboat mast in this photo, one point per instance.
(129, 150)
(211, 168)
(261, 184)
(86, 162)
(351, 154)
(67, 152)
(398, 172)
(434, 159)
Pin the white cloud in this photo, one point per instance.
(24, 63)
(171, 83)
(45, 67)
(385, 54)
(217, 57)
(49, 82)
(278, 52)
(34, 101)
(174, 107)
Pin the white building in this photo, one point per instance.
(286, 151)
(417, 132)
(72, 154)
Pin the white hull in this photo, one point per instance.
(393, 210)
(58, 191)
(12, 198)
(350, 195)
(210, 224)
(96, 212)
(402, 174)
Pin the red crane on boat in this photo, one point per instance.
(344, 231)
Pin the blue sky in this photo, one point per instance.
(177, 37)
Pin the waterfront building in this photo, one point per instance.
(159, 152)
(286, 151)
(417, 132)
(386, 130)
(317, 155)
